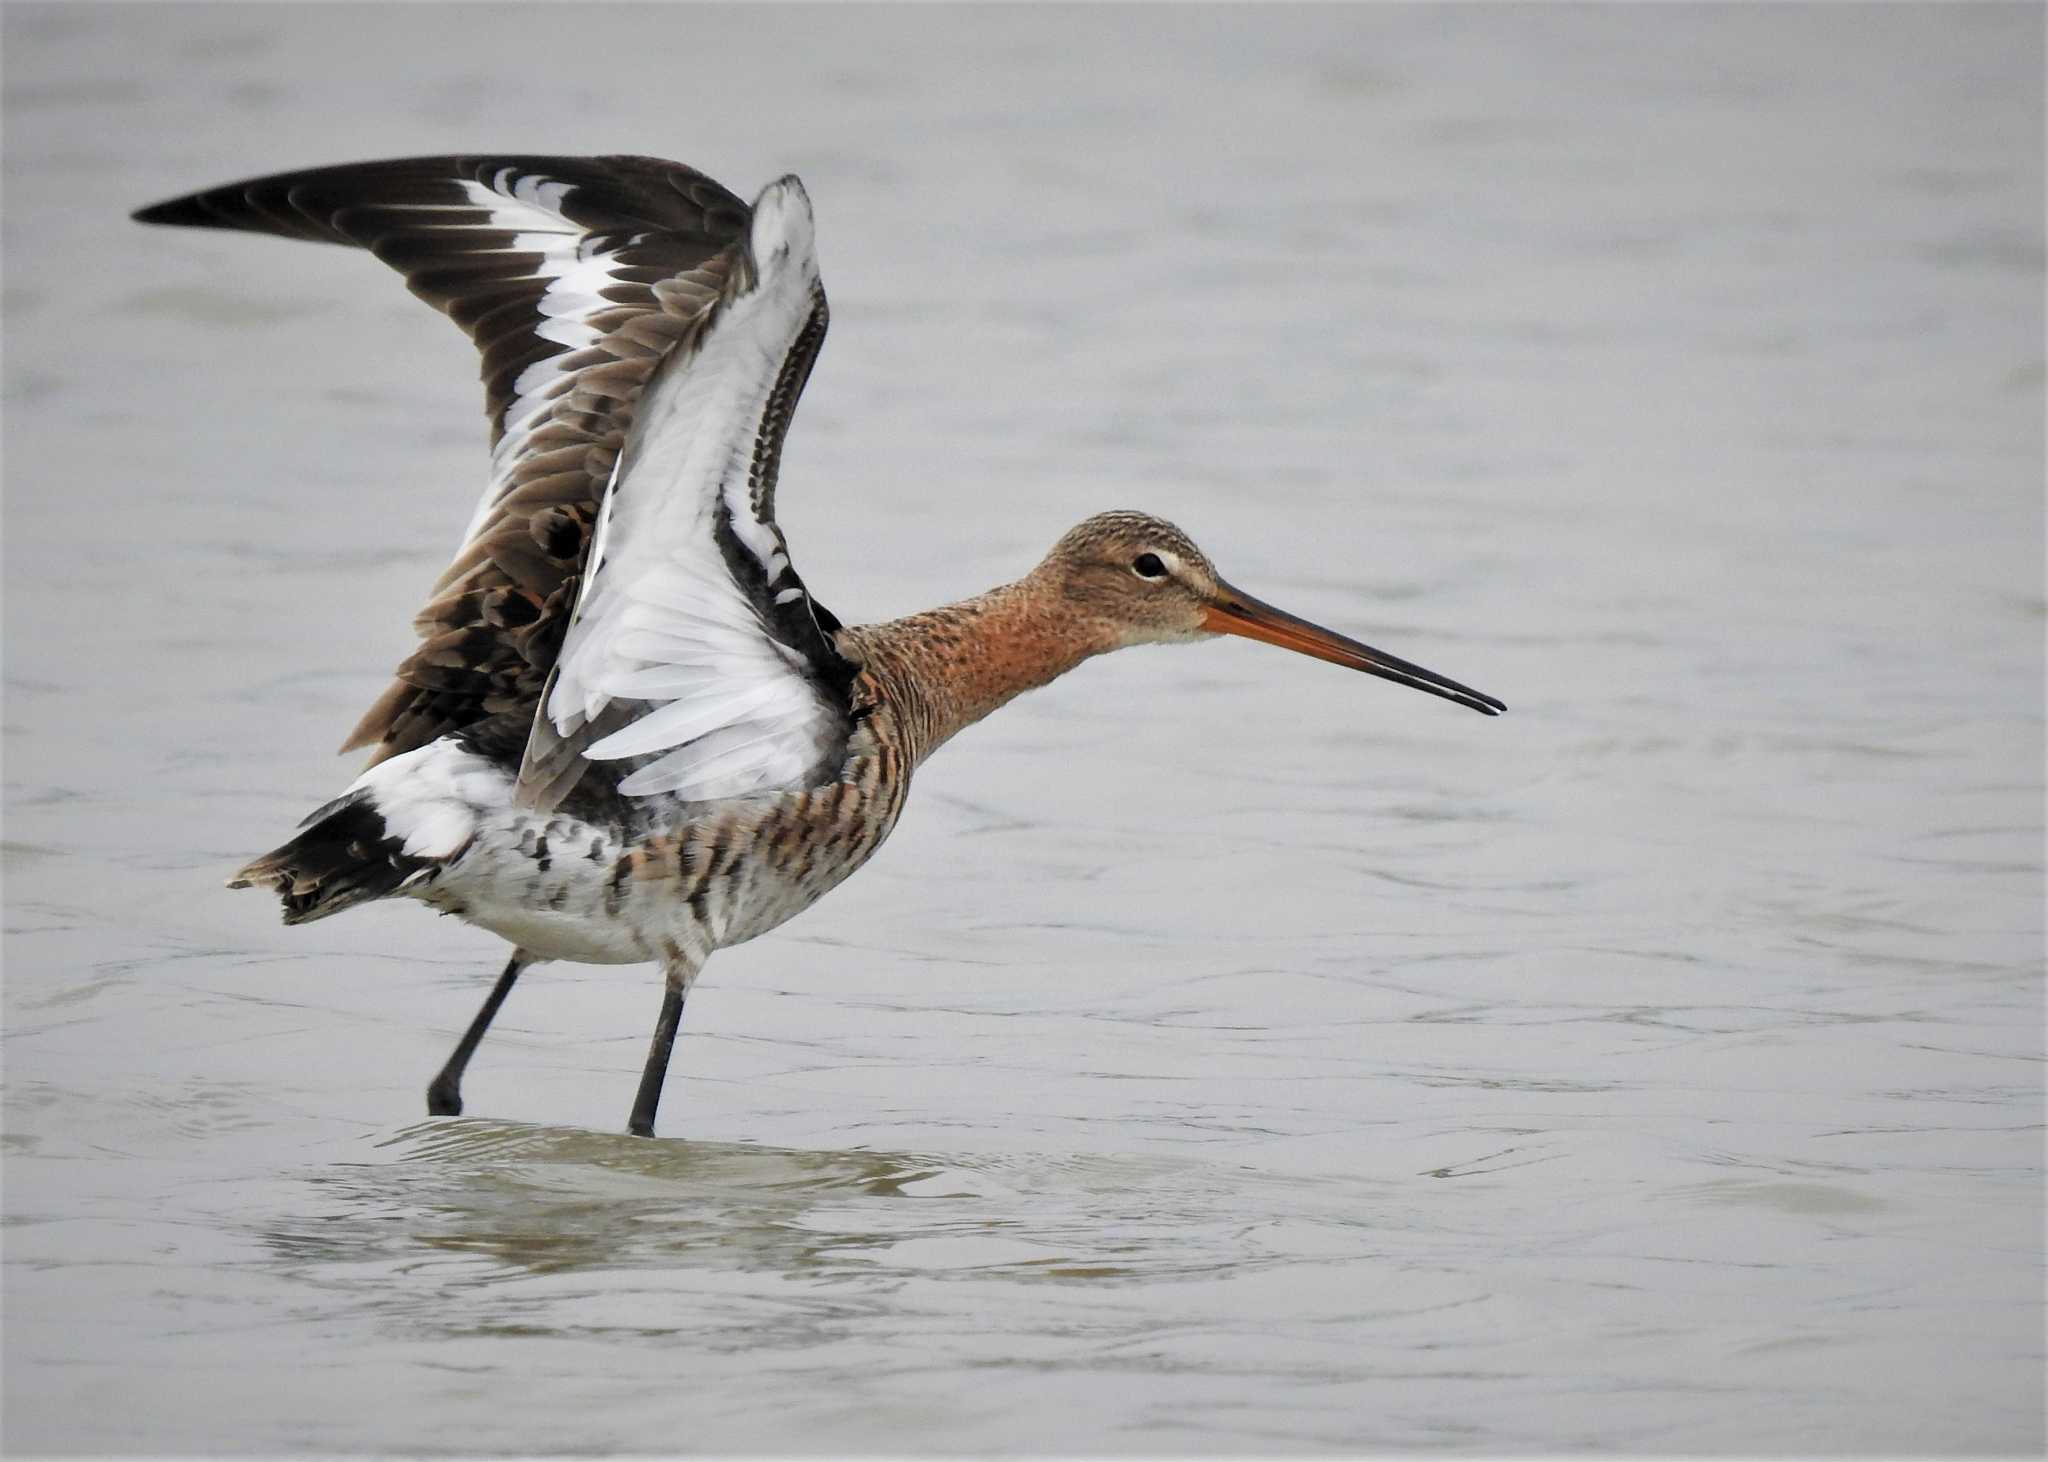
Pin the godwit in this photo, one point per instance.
(631, 734)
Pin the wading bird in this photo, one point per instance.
(630, 733)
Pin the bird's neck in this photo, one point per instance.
(946, 668)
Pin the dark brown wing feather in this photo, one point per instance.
(667, 247)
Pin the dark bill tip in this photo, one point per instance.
(1237, 613)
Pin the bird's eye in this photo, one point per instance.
(1148, 566)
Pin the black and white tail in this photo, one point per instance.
(345, 856)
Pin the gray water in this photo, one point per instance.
(1226, 1054)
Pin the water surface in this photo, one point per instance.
(1226, 1054)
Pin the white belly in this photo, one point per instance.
(541, 882)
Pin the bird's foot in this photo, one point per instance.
(444, 1099)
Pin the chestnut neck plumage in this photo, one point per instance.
(944, 669)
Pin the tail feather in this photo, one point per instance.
(344, 857)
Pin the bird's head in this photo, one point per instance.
(1141, 581)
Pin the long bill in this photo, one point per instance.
(1238, 613)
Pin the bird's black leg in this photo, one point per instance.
(444, 1093)
(641, 1124)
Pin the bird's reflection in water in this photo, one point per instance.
(549, 1200)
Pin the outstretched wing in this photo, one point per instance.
(696, 658)
(577, 278)
(600, 291)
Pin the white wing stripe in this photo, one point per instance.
(579, 273)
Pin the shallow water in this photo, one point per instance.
(1226, 1054)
